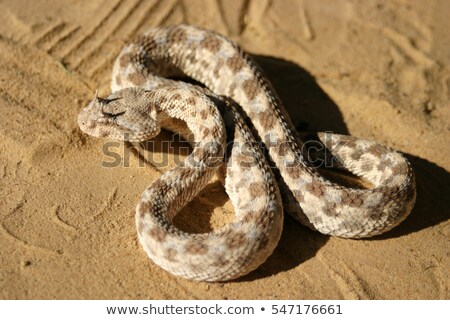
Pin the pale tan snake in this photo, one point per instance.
(142, 102)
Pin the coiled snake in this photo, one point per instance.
(144, 100)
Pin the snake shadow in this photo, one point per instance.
(309, 107)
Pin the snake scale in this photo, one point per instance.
(237, 105)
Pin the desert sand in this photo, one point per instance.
(378, 70)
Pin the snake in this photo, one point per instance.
(240, 131)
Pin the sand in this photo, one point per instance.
(375, 69)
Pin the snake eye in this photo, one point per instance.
(113, 115)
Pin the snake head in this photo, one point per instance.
(126, 115)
